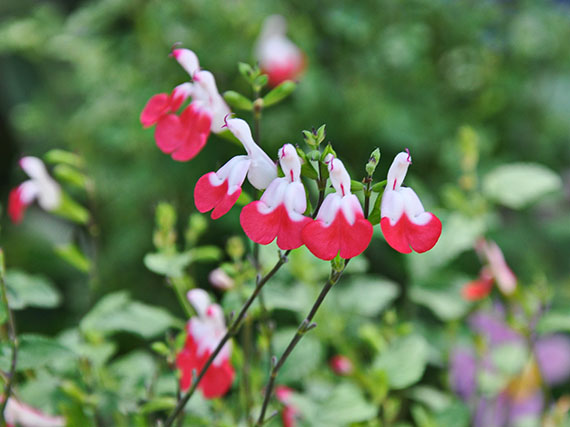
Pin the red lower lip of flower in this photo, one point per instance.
(404, 235)
(208, 196)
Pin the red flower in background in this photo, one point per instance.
(278, 56)
(405, 223)
(204, 334)
(289, 413)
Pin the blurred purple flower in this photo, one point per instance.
(553, 356)
(463, 371)
(492, 326)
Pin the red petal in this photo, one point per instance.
(326, 242)
(16, 207)
(196, 126)
(405, 234)
(169, 133)
(477, 289)
(263, 228)
(156, 107)
(208, 196)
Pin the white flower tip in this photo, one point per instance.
(220, 279)
(200, 300)
(329, 158)
(33, 166)
(239, 128)
(187, 59)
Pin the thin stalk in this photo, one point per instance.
(13, 340)
(177, 284)
(367, 194)
(247, 352)
(303, 328)
(232, 330)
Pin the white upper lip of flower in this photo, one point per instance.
(40, 185)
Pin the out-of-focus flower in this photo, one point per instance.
(20, 414)
(220, 279)
(185, 135)
(405, 223)
(340, 226)
(505, 278)
(479, 288)
(463, 372)
(289, 413)
(553, 356)
(278, 57)
(341, 365)
(40, 187)
(218, 191)
(279, 212)
(204, 334)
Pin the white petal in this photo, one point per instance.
(273, 48)
(26, 416)
(34, 167)
(200, 300)
(398, 170)
(329, 208)
(295, 200)
(290, 162)
(339, 176)
(183, 90)
(351, 208)
(274, 195)
(29, 190)
(187, 59)
(206, 95)
(233, 171)
(392, 206)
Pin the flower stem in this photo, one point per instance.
(303, 328)
(13, 339)
(232, 330)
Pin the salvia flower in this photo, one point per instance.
(340, 226)
(290, 412)
(204, 333)
(404, 222)
(279, 212)
(40, 187)
(183, 136)
(479, 288)
(278, 56)
(218, 191)
(20, 414)
(218, 278)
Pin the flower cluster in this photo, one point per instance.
(338, 226)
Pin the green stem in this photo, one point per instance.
(232, 330)
(180, 291)
(13, 340)
(303, 328)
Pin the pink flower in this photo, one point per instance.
(503, 275)
(289, 414)
(185, 135)
(20, 414)
(279, 212)
(405, 223)
(205, 331)
(40, 187)
(220, 279)
(218, 191)
(340, 226)
(341, 365)
(278, 57)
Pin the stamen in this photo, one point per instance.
(174, 46)
(409, 156)
(225, 125)
(394, 186)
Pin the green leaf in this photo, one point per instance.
(366, 295)
(116, 312)
(356, 186)
(404, 361)
(26, 290)
(158, 404)
(279, 93)
(517, 185)
(344, 406)
(433, 398)
(245, 70)
(442, 297)
(34, 351)
(294, 297)
(238, 101)
(260, 81)
(72, 210)
(170, 265)
(509, 358)
(305, 359)
(554, 321)
(57, 156)
(379, 186)
(457, 414)
(73, 255)
(70, 175)
(374, 216)
(205, 254)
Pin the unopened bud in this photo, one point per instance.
(373, 162)
(165, 216)
(220, 279)
(341, 365)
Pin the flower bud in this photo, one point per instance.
(341, 365)
(220, 279)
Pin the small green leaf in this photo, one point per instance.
(70, 175)
(160, 348)
(158, 404)
(34, 351)
(379, 186)
(404, 361)
(245, 70)
(205, 254)
(346, 405)
(518, 185)
(238, 101)
(554, 321)
(72, 210)
(328, 150)
(279, 93)
(57, 156)
(73, 255)
(170, 265)
(260, 81)
(26, 290)
(374, 216)
(356, 186)
(366, 295)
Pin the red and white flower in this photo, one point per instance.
(205, 332)
(20, 414)
(290, 412)
(279, 212)
(218, 191)
(405, 223)
(40, 187)
(340, 226)
(479, 288)
(341, 365)
(183, 136)
(278, 57)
